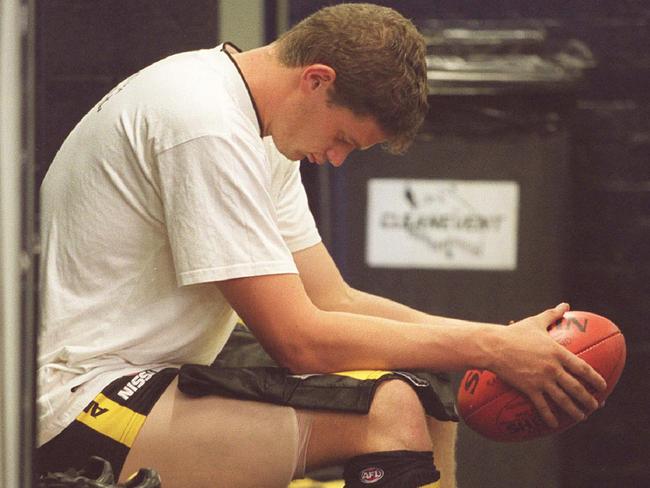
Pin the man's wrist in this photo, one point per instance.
(487, 342)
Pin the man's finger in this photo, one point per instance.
(548, 317)
(576, 390)
(581, 369)
(544, 410)
(564, 401)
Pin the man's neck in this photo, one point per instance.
(270, 82)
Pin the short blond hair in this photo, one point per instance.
(379, 59)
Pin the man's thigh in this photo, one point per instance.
(213, 441)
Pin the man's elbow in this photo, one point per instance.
(340, 300)
(303, 356)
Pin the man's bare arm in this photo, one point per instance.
(327, 289)
(306, 339)
(526, 350)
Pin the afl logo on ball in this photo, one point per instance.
(371, 475)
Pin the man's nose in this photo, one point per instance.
(337, 155)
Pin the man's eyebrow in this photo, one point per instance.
(354, 142)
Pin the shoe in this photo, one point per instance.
(144, 478)
(98, 473)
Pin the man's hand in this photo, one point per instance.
(531, 361)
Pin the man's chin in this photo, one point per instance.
(291, 154)
(294, 155)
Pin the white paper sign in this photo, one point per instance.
(444, 224)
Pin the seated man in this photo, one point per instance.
(176, 205)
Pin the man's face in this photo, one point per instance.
(321, 132)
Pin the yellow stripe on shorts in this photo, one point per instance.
(309, 483)
(364, 374)
(116, 421)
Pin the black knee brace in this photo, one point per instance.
(391, 469)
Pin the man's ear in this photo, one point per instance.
(317, 76)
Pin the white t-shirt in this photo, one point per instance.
(163, 187)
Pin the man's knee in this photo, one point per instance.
(397, 418)
(399, 452)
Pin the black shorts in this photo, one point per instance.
(244, 370)
(110, 423)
